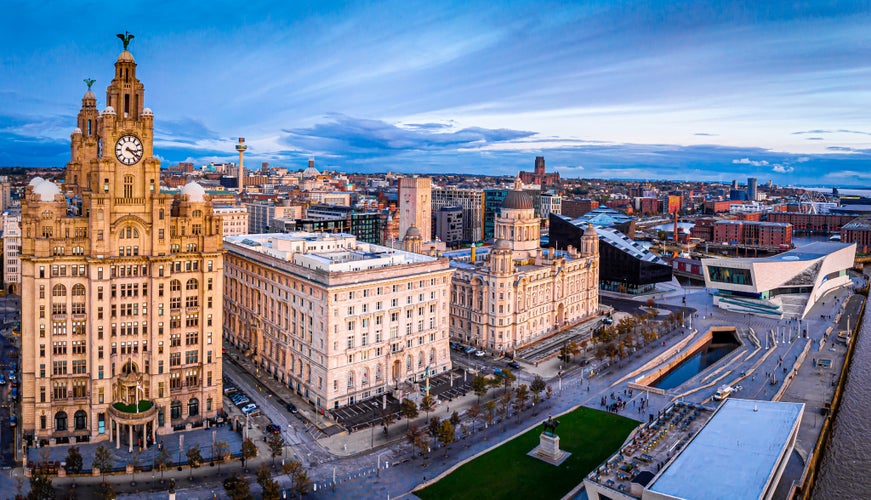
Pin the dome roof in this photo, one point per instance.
(517, 199)
(501, 244)
(125, 56)
(46, 190)
(147, 112)
(194, 192)
(108, 111)
(590, 231)
(413, 232)
(90, 95)
(36, 181)
(77, 131)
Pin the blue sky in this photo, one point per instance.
(658, 90)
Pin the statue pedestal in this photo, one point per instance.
(548, 450)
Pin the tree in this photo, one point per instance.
(291, 467)
(301, 483)
(195, 459)
(387, 418)
(413, 435)
(508, 378)
(271, 490)
(446, 434)
(521, 394)
(538, 385)
(105, 491)
(409, 411)
(427, 404)
(473, 413)
(549, 392)
(40, 486)
(455, 418)
(74, 460)
(569, 350)
(276, 446)
(162, 461)
(249, 451)
(102, 461)
(480, 386)
(237, 487)
(222, 448)
(504, 405)
(433, 426)
(490, 406)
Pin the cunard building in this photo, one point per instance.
(121, 287)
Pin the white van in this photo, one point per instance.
(723, 392)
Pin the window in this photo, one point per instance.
(81, 420)
(60, 421)
(193, 407)
(128, 190)
(175, 410)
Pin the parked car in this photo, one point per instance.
(14, 393)
(13, 421)
(249, 408)
(292, 408)
(514, 364)
(237, 397)
(242, 402)
(470, 350)
(230, 390)
(479, 353)
(273, 429)
(11, 376)
(2, 379)
(497, 371)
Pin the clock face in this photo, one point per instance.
(128, 149)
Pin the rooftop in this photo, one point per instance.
(602, 217)
(735, 454)
(330, 252)
(811, 251)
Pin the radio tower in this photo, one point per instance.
(241, 147)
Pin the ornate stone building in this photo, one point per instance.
(337, 320)
(121, 287)
(520, 294)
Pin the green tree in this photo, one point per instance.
(408, 410)
(301, 483)
(237, 487)
(249, 451)
(74, 460)
(569, 350)
(455, 418)
(40, 486)
(446, 434)
(162, 461)
(480, 386)
(276, 446)
(102, 461)
(271, 490)
(195, 459)
(427, 404)
(521, 395)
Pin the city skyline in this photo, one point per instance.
(681, 91)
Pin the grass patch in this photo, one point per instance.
(507, 472)
(144, 405)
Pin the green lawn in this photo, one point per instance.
(508, 472)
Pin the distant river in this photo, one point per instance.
(847, 458)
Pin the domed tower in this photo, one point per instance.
(413, 240)
(590, 242)
(502, 258)
(517, 223)
(84, 141)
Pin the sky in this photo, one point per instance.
(676, 90)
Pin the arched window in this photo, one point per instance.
(193, 407)
(60, 421)
(379, 372)
(175, 410)
(128, 186)
(78, 290)
(408, 363)
(81, 420)
(420, 360)
(351, 379)
(432, 356)
(192, 284)
(175, 285)
(59, 291)
(365, 377)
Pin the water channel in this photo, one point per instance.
(694, 365)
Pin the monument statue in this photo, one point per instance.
(89, 82)
(125, 38)
(550, 426)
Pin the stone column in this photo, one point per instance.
(117, 435)
(130, 441)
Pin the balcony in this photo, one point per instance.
(130, 414)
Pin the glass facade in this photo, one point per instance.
(730, 275)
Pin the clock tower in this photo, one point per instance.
(121, 286)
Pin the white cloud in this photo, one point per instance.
(748, 161)
(783, 169)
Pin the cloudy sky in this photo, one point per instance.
(644, 90)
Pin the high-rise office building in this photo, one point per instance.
(121, 287)
(751, 188)
(472, 203)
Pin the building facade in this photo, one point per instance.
(519, 294)
(415, 205)
(449, 225)
(493, 199)
(472, 202)
(260, 215)
(539, 176)
(337, 320)
(11, 252)
(121, 287)
(750, 233)
(858, 231)
(234, 220)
